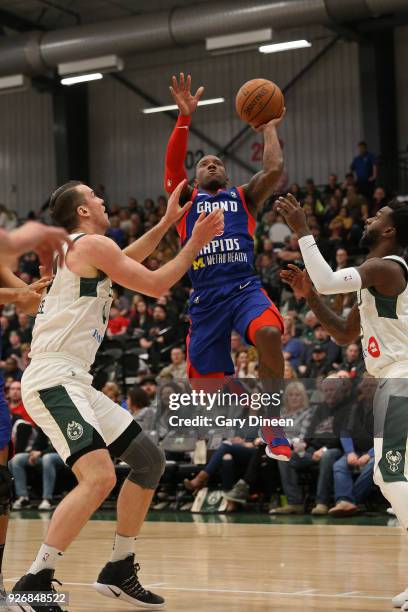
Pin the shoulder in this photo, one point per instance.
(89, 253)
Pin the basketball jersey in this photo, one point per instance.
(228, 257)
(73, 315)
(384, 327)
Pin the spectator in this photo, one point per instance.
(332, 185)
(15, 403)
(379, 200)
(178, 366)
(332, 350)
(24, 328)
(149, 386)
(292, 347)
(318, 364)
(341, 259)
(44, 456)
(309, 323)
(365, 169)
(14, 348)
(353, 362)
(159, 335)
(141, 321)
(289, 373)
(236, 345)
(112, 390)
(116, 233)
(243, 367)
(139, 406)
(118, 324)
(11, 369)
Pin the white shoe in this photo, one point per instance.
(405, 606)
(401, 599)
(45, 505)
(21, 503)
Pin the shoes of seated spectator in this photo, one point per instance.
(343, 509)
(119, 580)
(288, 509)
(21, 503)
(239, 493)
(399, 601)
(276, 448)
(320, 510)
(42, 581)
(196, 483)
(45, 505)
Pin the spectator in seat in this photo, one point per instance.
(24, 328)
(116, 233)
(289, 373)
(11, 369)
(244, 368)
(379, 200)
(43, 455)
(149, 386)
(141, 320)
(112, 390)
(341, 259)
(333, 352)
(178, 366)
(332, 185)
(118, 324)
(15, 403)
(309, 323)
(159, 335)
(139, 406)
(318, 364)
(236, 345)
(353, 362)
(365, 169)
(292, 347)
(358, 456)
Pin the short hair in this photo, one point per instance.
(399, 217)
(63, 205)
(362, 143)
(138, 397)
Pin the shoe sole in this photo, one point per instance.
(271, 455)
(235, 499)
(105, 589)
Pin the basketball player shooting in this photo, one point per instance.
(380, 319)
(227, 294)
(84, 425)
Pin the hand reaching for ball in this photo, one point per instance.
(273, 123)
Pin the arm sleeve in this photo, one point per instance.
(324, 279)
(176, 154)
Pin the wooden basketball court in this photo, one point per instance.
(222, 566)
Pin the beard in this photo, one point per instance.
(369, 239)
(213, 184)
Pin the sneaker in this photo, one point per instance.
(343, 509)
(119, 580)
(405, 606)
(276, 448)
(288, 509)
(21, 503)
(320, 510)
(45, 505)
(239, 493)
(400, 600)
(43, 581)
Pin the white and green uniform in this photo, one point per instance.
(56, 387)
(384, 337)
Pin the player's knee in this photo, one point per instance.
(6, 489)
(102, 482)
(146, 460)
(227, 457)
(269, 338)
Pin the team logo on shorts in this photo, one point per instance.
(373, 347)
(394, 458)
(74, 430)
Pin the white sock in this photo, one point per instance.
(122, 547)
(46, 558)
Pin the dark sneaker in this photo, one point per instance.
(43, 581)
(119, 580)
(239, 493)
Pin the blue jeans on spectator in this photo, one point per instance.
(348, 489)
(230, 469)
(49, 463)
(290, 481)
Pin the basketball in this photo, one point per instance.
(259, 101)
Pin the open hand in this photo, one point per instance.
(293, 213)
(298, 280)
(273, 123)
(174, 211)
(181, 92)
(207, 227)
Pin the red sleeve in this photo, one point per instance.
(176, 154)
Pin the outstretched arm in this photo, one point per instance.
(386, 276)
(15, 291)
(343, 330)
(262, 185)
(144, 246)
(176, 151)
(95, 252)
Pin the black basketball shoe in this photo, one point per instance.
(43, 581)
(119, 580)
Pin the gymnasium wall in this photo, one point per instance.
(401, 59)
(322, 126)
(27, 159)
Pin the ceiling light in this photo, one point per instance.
(169, 107)
(15, 82)
(285, 46)
(238, 40)
(81, 78)
(105, 63)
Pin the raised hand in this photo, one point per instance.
(207, 227)
(181, 92)
(298, 280)
(174, 211)
(293, 213)
(273, 123)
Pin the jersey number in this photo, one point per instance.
(193, 157)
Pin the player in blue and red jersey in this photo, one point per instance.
(227, 294)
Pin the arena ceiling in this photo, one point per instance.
(55, 14)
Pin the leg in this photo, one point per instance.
(18, 465)
(325, 481)
(290, 483)
(50, 463)
(364, 483)
(343, 481)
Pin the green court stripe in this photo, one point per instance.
(77, 432)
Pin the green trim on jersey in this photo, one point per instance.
(88, 287)
(392, 462)
(77, 432)
(386, 305)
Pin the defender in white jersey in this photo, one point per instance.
(380, 319)
(83, 424)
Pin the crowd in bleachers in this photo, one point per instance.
(142, 360)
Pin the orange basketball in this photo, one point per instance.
(259, 101)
